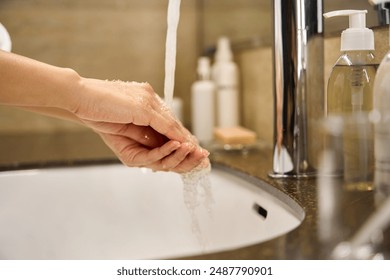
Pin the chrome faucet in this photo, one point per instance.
(298, 86)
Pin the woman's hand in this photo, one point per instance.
(134, 122)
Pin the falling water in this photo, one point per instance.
(170, 50)
(197, 185)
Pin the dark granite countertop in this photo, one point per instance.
(304, 242)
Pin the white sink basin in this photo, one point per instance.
(116, 212)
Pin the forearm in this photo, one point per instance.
(53, 112)
(28, 83)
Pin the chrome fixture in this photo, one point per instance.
(383, 12)
(298, 86)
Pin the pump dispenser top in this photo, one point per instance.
(357, 37)
(203, 68)
(223, 52)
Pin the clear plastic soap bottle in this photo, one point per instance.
(351, 83)
(202, 103)
(381, 116)
(350, 97)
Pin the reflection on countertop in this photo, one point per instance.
(85, 147)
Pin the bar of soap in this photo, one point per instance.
(234, 135)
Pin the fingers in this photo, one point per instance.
(167, 125)
(150, 157)
(132, 153)
(173, 160)
(172, 156)
(144, 135)
(183, 160)
(198, 158)
(162, 119)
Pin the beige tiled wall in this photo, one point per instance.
(257, 99)
(243, 21)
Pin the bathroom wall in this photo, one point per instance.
(245, 22)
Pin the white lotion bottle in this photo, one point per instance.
(381, 117)
(225, 76)
(202, 103)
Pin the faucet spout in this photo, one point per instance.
(298, 86)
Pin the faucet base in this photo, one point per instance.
(284, 167)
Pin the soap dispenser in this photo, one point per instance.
(350, 98)
(351, 82)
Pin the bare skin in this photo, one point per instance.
(129, 116)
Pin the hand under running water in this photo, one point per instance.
(130, 117)
(132, 120)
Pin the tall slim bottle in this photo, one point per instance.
(350, 97)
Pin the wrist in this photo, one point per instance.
(70, 84)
